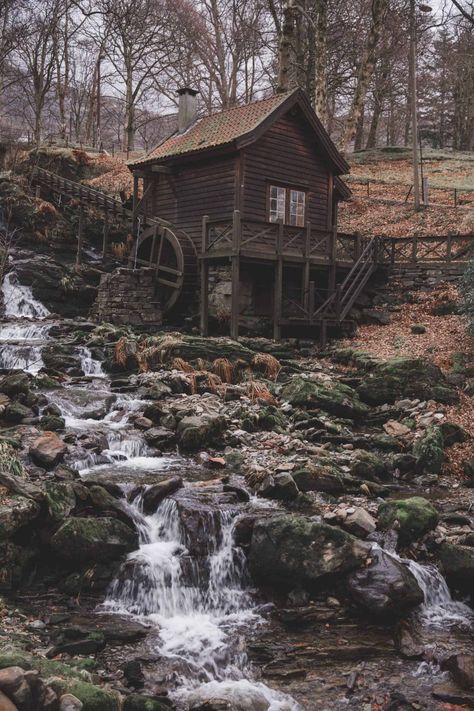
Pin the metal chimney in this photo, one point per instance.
(187, 107)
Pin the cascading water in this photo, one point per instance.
(439, 609)
(21, 341)
(89, 365)
(200, 607)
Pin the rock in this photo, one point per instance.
(317, 478)
(279, 486)
(17, 514)
(22, 696)
(405, 377)
(133, 673)
(408, 642)
(60, 500)
(6, 704)
(418, 329)
(291, 549)
(415, 516)
(16, 562)
(385, 586)
(78, 646)
(428, 451)
(198, 431)
(139, 702)
(15, 412)
(11, 679)
(201, 523)
(88, 540)
(453, 434)
(143, 423)
(453, 695)
(69, 702)
(160, 437)
(404, 462)
(47, 450)
(360, 523)
(461, 667)
(15, 384)
(396, 429)
(156, 493)
(458, 564)
(52, 423)
(366, 465)
(333, 397)
(95, 698)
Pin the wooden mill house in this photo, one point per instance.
(255, 187)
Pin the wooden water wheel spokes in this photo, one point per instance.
(172, 256)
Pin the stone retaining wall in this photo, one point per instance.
(128, 297)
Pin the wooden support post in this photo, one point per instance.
(278, 286)
(358, 247)
(80, 228)
(312, 297)
(105, 235)
(235, 268)
(204, 273)
(415, 249)
(306, 266)
(38, 191)
(449, 247)
(338, 302)
(332, 265)
(425, 191)
(323, 335)
(135, 206)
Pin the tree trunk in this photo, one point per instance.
(359, 136)
(374, 124)
(286, 47)
(366, 69)
(321, 99)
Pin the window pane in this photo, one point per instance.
(297, 207)
(277, 206)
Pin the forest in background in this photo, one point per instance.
(105, 72)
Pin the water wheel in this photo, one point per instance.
(172, 255)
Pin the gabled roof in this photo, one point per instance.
(240, 126)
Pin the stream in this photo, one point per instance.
(199, 599)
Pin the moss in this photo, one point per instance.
(139, 702)
(90, 540)
(415, 516)
(95, 698)
(428, 451)
(333, 397)
(60, 500)
(366, 465)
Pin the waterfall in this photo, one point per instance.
(199, 605)
(439, 609)
(89, 365)
(19, 300)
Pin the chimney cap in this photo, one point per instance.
(187, 90)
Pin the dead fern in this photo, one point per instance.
(259, 391)
(213, 382)
(267, 364)
(183, 365)
(121, 348)
(224, 369)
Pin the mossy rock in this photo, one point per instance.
(14, 384)
(95, 698)
(405, 377)
(140, 702)
(15, 658)
(317, 478)
(333, 397)
(366, 465)
(60, 500)
(93, 540)
(52, 423)
(292, 550)
(453, 434)
(16, 412)
(458, 565)
(415, 516)
(197, 432)
(428, 451)
(359, 359)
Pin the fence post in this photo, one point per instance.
(449, 248)
(311, 300)
(425, 191)
(415, 249)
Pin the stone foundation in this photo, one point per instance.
(128, 297)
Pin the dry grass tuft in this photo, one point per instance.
(224, 369)
(183, 365)
(268, 364)
(259, 391)
(120, 354)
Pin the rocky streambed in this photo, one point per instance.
(202, 524)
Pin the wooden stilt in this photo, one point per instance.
(204, 272)
(105, 235)
(278, 288)
(323, 335)
(80, 229)
(135, 207)
(235, 269)
(306, 266)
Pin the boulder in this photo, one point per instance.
(6, 704)
(140, 702)
(458, 564)
(15, 383)
(198, 431)
(428, 451)
(47, 450)
(11, 678)
(385, 586)
(453, 434)
(60, 500)
(461, 668)
(81, 540)
(156, 493)
(405, 377)
(318, 478)
(333, 397)
(366, 465)
(414, 517)
(53, 423)
(360, 523)
(16, 562)
(17, 514)
(160, 437)
(95, 698)
(15, 412)
(69, 702)
(279, 486)
(293, 550)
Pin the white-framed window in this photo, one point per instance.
(277, 204)
(297, 207)
(287, 205)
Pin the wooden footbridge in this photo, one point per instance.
(331, 268)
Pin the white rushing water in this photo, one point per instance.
(201, 608)
(89, 365)
(19, 300)
(439, 609)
